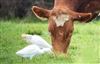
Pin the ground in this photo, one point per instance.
(84, 47)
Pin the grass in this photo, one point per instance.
(84, 47)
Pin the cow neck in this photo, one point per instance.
(60, 3)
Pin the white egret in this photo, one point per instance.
(29, 51)
(37, 46)
(35, 39)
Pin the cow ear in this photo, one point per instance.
(41, 13)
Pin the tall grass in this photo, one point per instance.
(83, 49)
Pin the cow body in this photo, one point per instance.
(61, 19)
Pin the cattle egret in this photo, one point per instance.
(37, 46)
(32, 50)
(35, 39)
(29, 51)
(46, 50)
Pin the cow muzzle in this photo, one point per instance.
(61, 36)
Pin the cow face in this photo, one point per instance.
(59, 25)
(61, 28)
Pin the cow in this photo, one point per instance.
(61, 19)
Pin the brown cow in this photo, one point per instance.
(62, 17)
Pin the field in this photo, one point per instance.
(84, 47)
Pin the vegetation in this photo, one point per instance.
(21, 8)
(84, 47)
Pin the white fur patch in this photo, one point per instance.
(61, 19)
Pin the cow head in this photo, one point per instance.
(60, 25)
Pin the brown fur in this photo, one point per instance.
(81, 10)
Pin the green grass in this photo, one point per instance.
(84, 47)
